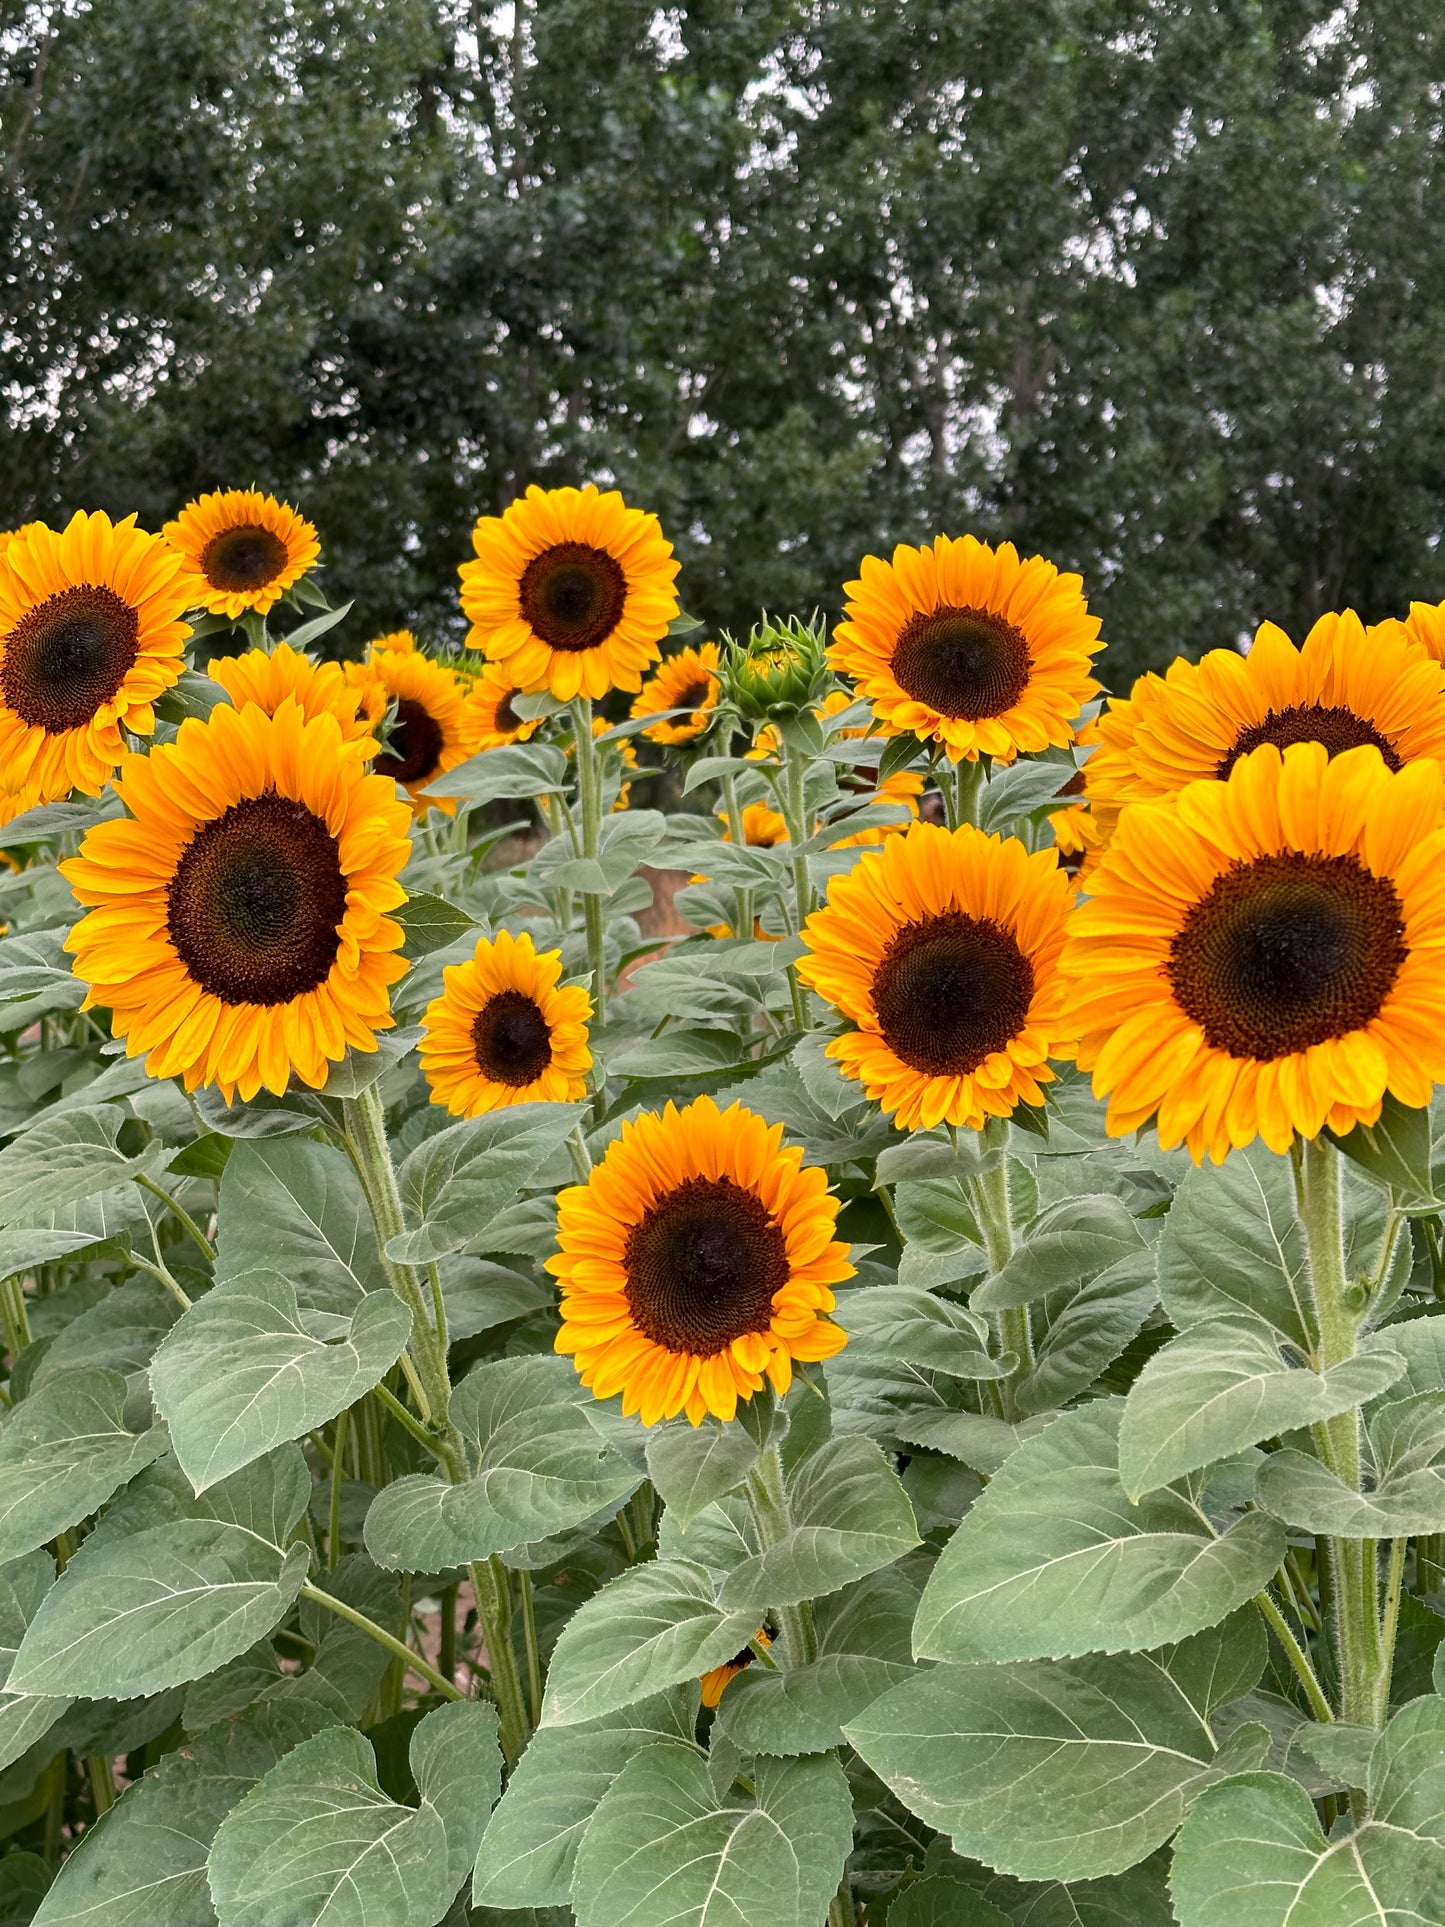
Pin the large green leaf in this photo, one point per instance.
(1225, 1384)
(63, 1451)
(455, 1183)
(24, 1717)
(1071, 1244)
(655, 1626)
(1407, 1769)
(1232, 1244)
(912, 1326)
(691, 1465)
(1407, 1490)
(297, 1207)
(511, 770)
(1055, 1559)
(530, 1846)
(849, 1516)
(67, 1158)
(240, 1375)
(538, 1466)
(170, 1587)
(1396, 1150)
(120, 1332)
(937, 1901)
(318, 1840)
(1089, 1332)
(1069, 1769)
(1251, 1854)
(664, 1846)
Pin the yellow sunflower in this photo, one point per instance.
(713, 1682)
(697, 1259)
(969, 646)
(401, 641)
(1266, 954)
(502, 1032)
(267, 678)
(490, 694)
(240, 930)
(571, 589)
(435, 726)
(1424, 626)
(241, 550)
(688, 680)
(91, 633)
(942, 952)
(1346, 686)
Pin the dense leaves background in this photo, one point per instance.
(1153, 288)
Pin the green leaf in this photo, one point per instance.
(1251, 1854)
(1407, 1491)
(431, 923)
(51, 820)
(35, 974)
(24, 1879)
(1232, 1245)
(912, 1326)
(454, 1184)
(138, 1610)
(118, 1333)
(63, 1451)
(1395, 1150)
(317, 1839)
(1224, 1385)
(655, 1626)
(239, 1374)
(192, 694)
(626, 840)
(359, 1069)
(530, 1847)
(297, 1207)
(23, 1717)
(940, 1902)
(678, 1053)
(1407, 1770)
(1021, 789)
(691, 1465)
(1054, 1559)
(850, 1515)
(664, 1847)
(67, 1158)
(1061, 1770)
(1072, 1244)
(1089, 1333)
(538, 1468)
(308, 632)
(511, 770)
(480, 1295)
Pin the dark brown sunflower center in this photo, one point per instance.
(1286, 951)
(1337, 728)
(950, 991)
(511, 1039)
(256, 903)
(573, 595)
(693, 697)
(68, 655)
(962, 662)
(414, 747)
(703, 1266)
(507, 717)
(243, 558)
(742, 1659)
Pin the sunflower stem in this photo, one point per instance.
(1012, 1326)
(742, 895)
(396, 1647)
(589, 795)
(794, 801)
(768, 1502)
(1364, 1656)
(968, 787)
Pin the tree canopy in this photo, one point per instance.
(1157, 289)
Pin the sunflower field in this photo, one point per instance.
(866, 1347)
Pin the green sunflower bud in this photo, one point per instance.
(780, 671)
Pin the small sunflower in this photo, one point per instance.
(1266, 955)
(490, 694)
(969, 646)
(241, 931)
(91, 634)
(435, 726)
(267, 678)
(942, 952)
(502, 1032)
(688, 680)
(572, 590)
(713, 1682)
(241, 550)
(1345, 687)
(697, 1259)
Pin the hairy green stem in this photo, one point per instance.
(968, 786)
(768, 1502)
(530, 1645)
(396, 1647)
(102, 1785)
(1296, 1655)
(589, 795)
(181, 1214)
(338, 1467)
(14, 1315)
(742, 894)
(1013, 1326)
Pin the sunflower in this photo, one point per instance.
(400, 641)
(241, 550)
(969, 646)
(1424, 626)
(571, 589)
(688, 680)
(91, 633)
(1346, 686)
(502, 1032)
(490, 693)
(713, 1682)
(1266, 954)
(240, 929)
(267, 678)
(435, 726)
(942, 952)
(697, 1259)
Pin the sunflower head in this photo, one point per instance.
(503, 1032)
(942, 954)
(268, 677)
(1266, 955)
(241, 931)
(697, 1261)
(241, 550)
(969, 646)
(713, 1682)
(571, 590)
(780, 671)
(433, 725)
(687, 680)
(492, 694)
(91, 634)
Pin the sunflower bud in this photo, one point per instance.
(781, 670)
